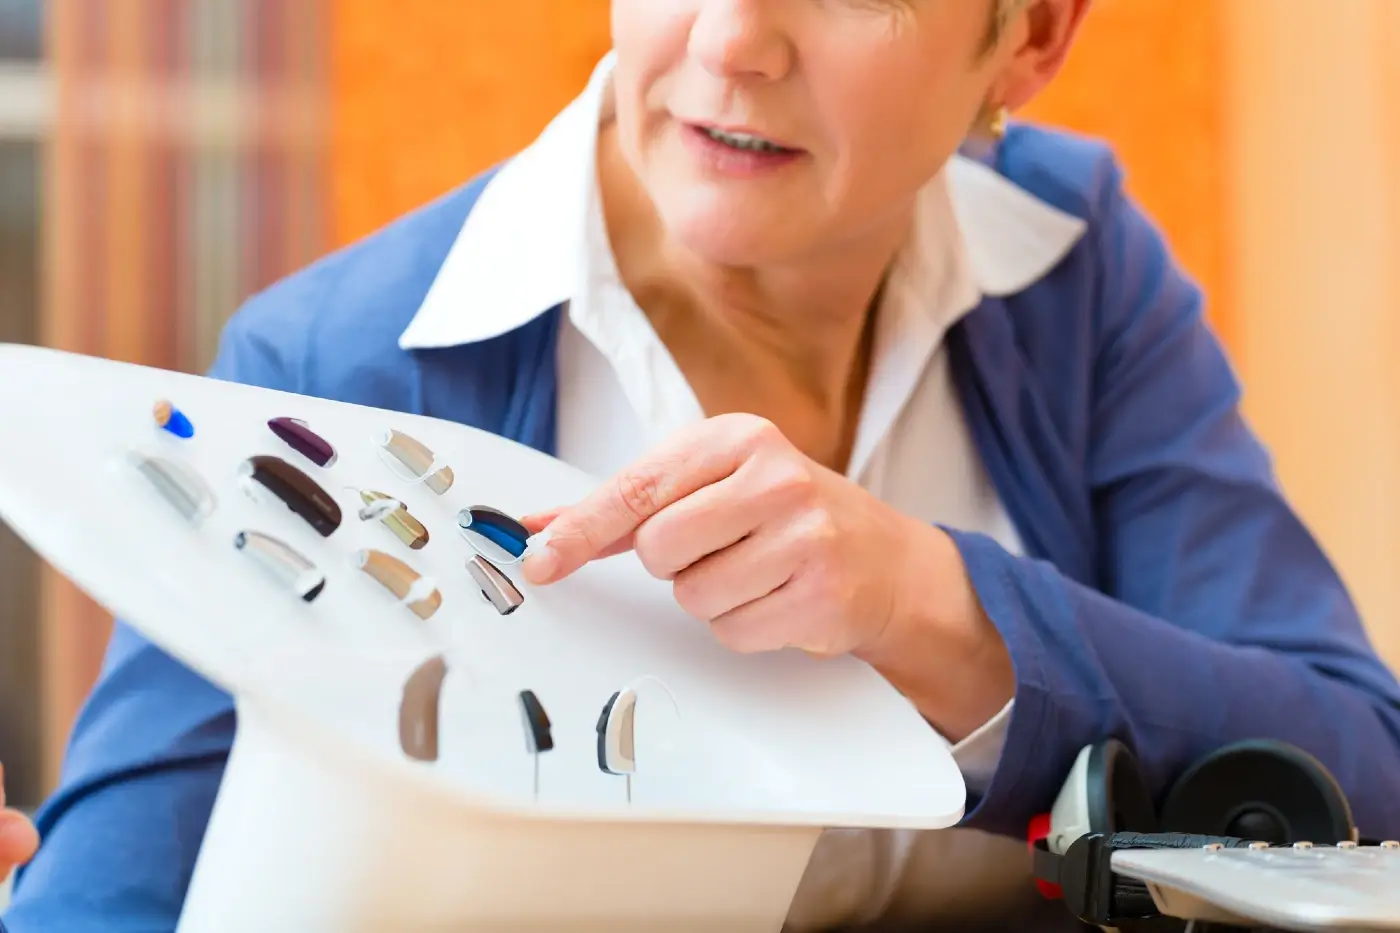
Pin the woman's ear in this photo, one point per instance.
(1036, 43)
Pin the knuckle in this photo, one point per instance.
(639, 493)
(790, 479)
(690, 594)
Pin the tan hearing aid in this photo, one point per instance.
(417, 462)
(413, 590)
(419, 710)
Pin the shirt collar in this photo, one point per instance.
(519, 252)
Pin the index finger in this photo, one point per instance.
(688, 461)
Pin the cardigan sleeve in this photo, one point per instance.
(1215, 616)
(147, 753)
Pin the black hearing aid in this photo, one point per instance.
(539, 737)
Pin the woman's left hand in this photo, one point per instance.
(775, 551)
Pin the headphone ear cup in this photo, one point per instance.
(1105, 793)
(1264, 791)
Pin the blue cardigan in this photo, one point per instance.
(1169, 596)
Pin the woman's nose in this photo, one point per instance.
(737, 39)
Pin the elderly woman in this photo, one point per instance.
(869, 373)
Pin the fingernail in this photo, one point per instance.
(540, 564)
(538, 541)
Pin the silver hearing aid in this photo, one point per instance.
(177, 483)
(283, 562)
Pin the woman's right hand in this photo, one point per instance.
(18, 838)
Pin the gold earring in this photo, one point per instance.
(996, 124)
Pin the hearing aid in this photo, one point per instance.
(419, 710)
(414, 457)
(617, 731)
(282, 562)
(538, 735)
(297, 434)
(416, 592)
(395, 516)
(617, 740)
(173, 420)
(496, 588)
(178, 484)
(297, 491)
(493, 534)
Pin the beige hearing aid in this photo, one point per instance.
(414, 591)
(416, 462)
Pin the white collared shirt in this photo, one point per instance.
(536, 239)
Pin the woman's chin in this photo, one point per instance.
(729, 238)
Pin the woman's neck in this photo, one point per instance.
(789, 343)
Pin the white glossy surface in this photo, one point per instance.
(1321, 889)
(766, 750)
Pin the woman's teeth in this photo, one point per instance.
(744, 141)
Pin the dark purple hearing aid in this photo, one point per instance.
(297, 434)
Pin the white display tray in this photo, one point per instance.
(322, 821)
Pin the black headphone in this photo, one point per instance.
(1260, 790)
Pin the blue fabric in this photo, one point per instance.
(1169, 597)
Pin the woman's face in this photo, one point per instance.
(769, 131)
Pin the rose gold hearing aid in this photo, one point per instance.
(418, 593)
(419, 710)
(496, 587)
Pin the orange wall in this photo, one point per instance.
(428, 93)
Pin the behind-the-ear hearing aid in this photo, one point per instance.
(496, 588)
(617, 731)
(413, 461)
(538, 735)
(297, 491)
(395, 516)
(297, 434)
(282, 561)
(178, 484)
(414, 591)
(419, 710)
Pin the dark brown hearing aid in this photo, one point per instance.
(297, 491)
